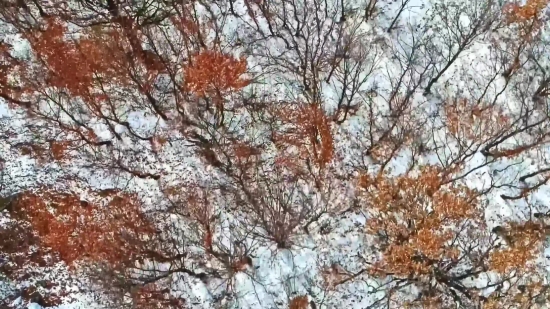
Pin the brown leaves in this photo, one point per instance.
(58, 149)
(241, 264)
(152, 296)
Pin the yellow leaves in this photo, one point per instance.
(213, 73)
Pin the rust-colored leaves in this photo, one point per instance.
(74, 64)
(308, 131)
(299, 302)
(214, 73)
(152, 296)
(528, 18)
(81, 230)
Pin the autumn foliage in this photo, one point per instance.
(291, 154)
(214, 73)
(414, 219)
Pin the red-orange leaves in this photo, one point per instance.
(528, 17)
(65, 70)
(81, 230)
(309, 130)
(246, 157)
(299, 302)
(214, 73)
(70, 63)
(58, 149)
(470, 120)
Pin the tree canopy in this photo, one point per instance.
(300, 154)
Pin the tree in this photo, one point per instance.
(273, 154)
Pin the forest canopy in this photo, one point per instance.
(301, 154)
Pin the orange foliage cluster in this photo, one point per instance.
(470, 121)
(299, 302)
(59, 148)
(79, 230)
(71, 65)
(416, 216)
(523, 246)
(531, 10)
(528, 17)
(310, 132)
(212, 73)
